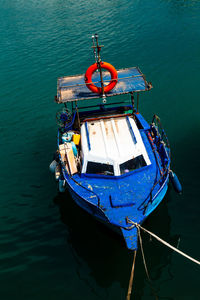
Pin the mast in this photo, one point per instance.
(98, 61)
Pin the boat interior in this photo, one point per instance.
(104, 141)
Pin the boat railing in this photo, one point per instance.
(157, 125)
(69, 125)
(79, 184)
(150, 198)
(160, 140)
(87, 189)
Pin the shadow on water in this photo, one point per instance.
(105, 252)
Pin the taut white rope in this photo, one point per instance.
(164, 242)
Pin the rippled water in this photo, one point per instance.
(49, 248)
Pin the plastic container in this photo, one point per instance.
(76, 139)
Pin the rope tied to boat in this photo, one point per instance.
(145, 265)
(128, 297)
(133, 269)
(134, 224)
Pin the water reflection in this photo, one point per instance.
(104, 252)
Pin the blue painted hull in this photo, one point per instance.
(94, 211)
(130, 236)
(134, 195)
(89, 207)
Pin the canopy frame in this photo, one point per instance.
(73, 88)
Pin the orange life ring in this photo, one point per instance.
(108, 87)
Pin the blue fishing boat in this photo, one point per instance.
(115, 164)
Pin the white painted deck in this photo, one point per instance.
(111, 141)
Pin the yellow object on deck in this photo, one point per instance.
(76, 138)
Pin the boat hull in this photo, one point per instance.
(129, 232)
(113, 199)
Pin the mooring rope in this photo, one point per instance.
(133, 268)
(131, 277)
(164, 242)
(145, 265)
(144, 260)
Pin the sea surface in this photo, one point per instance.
(49, 248)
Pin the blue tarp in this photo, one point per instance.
(73, 88)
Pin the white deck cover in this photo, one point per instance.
(111, 142)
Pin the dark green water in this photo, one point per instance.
(49, 248)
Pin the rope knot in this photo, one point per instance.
(134, 224)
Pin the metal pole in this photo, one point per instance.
(79, 124)
(137, 101)
(94, 48)
(99, 65)
(132, 101)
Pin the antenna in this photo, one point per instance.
(94, 48)
(98, 61)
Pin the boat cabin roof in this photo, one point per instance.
(73, 88)
(112, 146)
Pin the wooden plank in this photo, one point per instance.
(68, 158)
